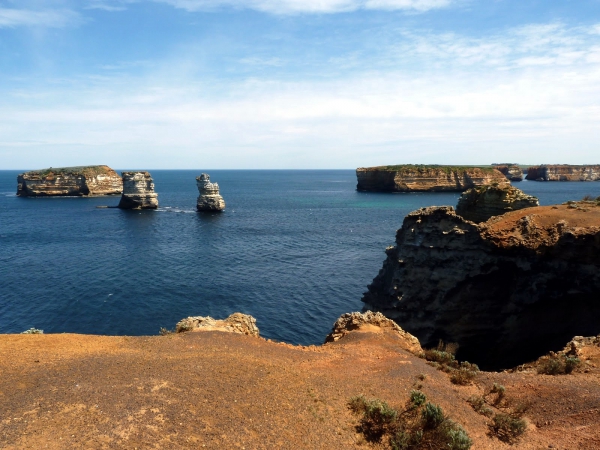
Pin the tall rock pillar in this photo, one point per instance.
(209, 198)
(138, 191)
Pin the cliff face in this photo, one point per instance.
(511, 171)
(412, 178)
(506, 291)
(209, 199)
(69, 181)
(138, 191)
(563, 173)
(481, 203)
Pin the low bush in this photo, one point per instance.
(479, 405)
(507, 427)
(419, 426)
(442, 359)
(558, 365)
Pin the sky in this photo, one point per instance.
(298, 84)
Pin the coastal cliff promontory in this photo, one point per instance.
(138, 191)
(69, 181)
(412, 178)
(563, 172)
(506, 290)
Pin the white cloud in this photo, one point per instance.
(468, 101)
(309, 6)
(10, 18)
(105, 6)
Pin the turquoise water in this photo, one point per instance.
(294, 248)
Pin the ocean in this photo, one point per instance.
(295, 249)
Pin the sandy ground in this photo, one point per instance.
(221, 390)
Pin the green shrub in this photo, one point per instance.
(439, 356)
(500, 392)
(507, 427)
(478, 404)
(456, 436)
(419, 427)
(464, 374)
(417, 398)
(165, 331)
(432, 416)
(558, 365)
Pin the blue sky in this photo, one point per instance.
(250, 84)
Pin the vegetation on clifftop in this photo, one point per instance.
(86, 170)
(426, 167)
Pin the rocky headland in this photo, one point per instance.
(506, 290)
(215, 390)
(512, 172)
(69, 181)
(422, 178)
(563, 172)
(138, 191)
(481, 203)
(209, 200)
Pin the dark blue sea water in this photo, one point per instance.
(294, 248)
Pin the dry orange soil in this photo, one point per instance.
(226, 391)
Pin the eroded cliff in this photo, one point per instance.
(506, 290)
(69, 181)
(512, 172)
(563, 172)
(209, 200)
(409, 178)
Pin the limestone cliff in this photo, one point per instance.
(511, 171)
(563, 172)
(410, 178)
(506, 290)
(69, 181)
(138, 191)
(481, 203)
(209, 198)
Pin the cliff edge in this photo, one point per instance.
(421, 178)
(69, 181)
(563, 172)
(506, 290)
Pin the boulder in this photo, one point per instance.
(236, 323)
(480, 203)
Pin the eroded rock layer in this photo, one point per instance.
(209, 198)
(563, 172)
(507, 290)
(69, 181)
(138, 191)
(235, 323)
(511, 171)
(409, 178)
(481, 203)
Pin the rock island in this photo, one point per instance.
(424, 178)
(69, 181)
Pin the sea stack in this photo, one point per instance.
(80, 181)
(138, 191)
(209, 198)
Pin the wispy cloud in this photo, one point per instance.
(58, 18)
(106, 6)
(309, 6)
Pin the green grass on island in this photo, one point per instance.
(426, 167)
(92, 170)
